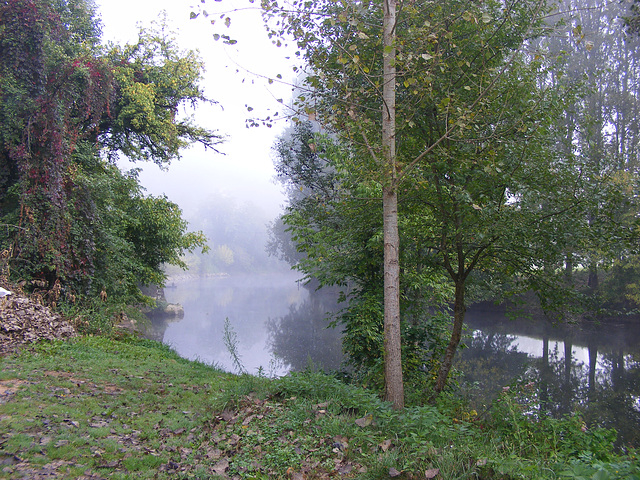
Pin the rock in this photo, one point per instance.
(174, 309)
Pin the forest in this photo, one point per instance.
(471, 152)
(76, 229)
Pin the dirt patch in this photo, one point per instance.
(24, 321)
(9, 387)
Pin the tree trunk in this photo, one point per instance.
(394, 386)
(593, 362)
(593, 282)
(459, 309)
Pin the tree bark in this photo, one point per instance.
(394, 386)
(459, 309)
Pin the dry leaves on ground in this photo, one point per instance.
(24, 321)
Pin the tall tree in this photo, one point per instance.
(438, 68)
(392, 341)
(599, 131)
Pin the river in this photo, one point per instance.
(592, 370)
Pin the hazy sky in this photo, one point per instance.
(246, 171)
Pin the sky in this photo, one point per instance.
(235, 77)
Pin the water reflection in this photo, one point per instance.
(301, 337)
(590, 369)
(279, 324)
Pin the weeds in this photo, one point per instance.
(230, 339)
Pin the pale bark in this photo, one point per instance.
(394, 386)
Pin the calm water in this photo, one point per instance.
(277, 323)
(279, 326)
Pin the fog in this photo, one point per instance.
(237, 79)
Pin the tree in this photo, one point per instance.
(471, 103)
(65, 101)
(334, 221)
(598, 131)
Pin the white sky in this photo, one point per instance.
(246, 171)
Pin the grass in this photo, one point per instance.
(98, 407)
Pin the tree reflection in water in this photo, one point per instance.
(302, 338)
(591, 370)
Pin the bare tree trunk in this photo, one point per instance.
(459, 309)
(545, 374)
(394, 386)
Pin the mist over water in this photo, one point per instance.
(272, 315)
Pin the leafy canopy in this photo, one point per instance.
(68, 107)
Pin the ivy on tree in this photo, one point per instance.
(69, 214)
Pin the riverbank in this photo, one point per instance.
(97, 407)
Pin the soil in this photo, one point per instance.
(24, 320)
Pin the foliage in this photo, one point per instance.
(70, 216)
(524, 428)
(231, 344)
(339, 242)
(488, 194)
(154, 80)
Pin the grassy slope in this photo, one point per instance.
(96, 407)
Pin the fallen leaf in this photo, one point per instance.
(345, 468)
(431, 473)
(393, 472)
(98, 424)
(227, 415)
(213, 453)
(385, 445)
(111, 464)
(9, 459)
(248, 420)
(365, 421)
(221, 467)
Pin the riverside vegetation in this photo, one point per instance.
(117, 406)
(81, 235)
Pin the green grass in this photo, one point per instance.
(131, 408)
